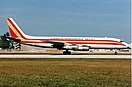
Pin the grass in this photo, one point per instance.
(65, 73)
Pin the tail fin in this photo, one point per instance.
(15, 30)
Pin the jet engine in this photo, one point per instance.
(83, 48)
(77, 48)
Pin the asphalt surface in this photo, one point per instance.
(63, 56)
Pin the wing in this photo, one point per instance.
(58, 45)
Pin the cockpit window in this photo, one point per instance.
(121, 41)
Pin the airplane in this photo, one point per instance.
(64, 43)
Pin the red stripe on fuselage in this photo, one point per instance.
(96, 43)
(79, 43)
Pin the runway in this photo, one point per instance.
(64, 56)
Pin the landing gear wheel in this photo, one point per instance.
(64, 52)
(67, 53)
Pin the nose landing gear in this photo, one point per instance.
(115, 53)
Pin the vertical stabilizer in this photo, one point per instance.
(15, 30)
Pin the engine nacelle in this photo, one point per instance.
(72, 47)
(77, 48)
(83, 48)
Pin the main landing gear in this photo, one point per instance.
(67, 52)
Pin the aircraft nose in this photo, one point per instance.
(127, 45)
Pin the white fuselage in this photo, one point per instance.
(68, 43)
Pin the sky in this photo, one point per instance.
(88, 18)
